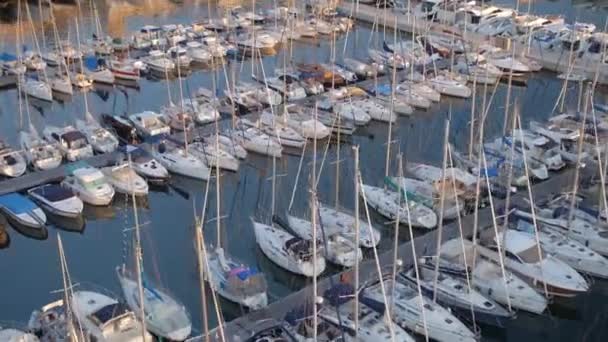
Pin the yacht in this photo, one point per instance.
(100, 138)
(57, 200)
(165, 317)
(157, 61)
(90, 185)
(39, 153)
(105, 319)
(291, 253)
(149, 124)
(124, 179)
(178, 160)
(72, 143)
(12, 163)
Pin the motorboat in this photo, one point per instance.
(198, 52)
(24, 215)
(124, 179)
(57, 200)
(254, 140)
(149, 124)
(121, 127)
(179, 56)
(90, 185)
(528, 260)
(178, 160)
(236, 281)
(165, 316)
(408, 307)
(337, 249)
(39, 153)
(72, 143)
(146, 166)
(157, 61)
(389, 205)
(291, 253)
(125, 69)
(457, 294)
(337, 308)
(12, 163)
(577, 255)
(104, 318)
(343, 223)
(37, 89)
(102, 140)
(462, 259)
(213, 154)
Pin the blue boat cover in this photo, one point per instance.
(92, 62)
(17, 203)
(7, 57)
(109, 312)
(53, 192)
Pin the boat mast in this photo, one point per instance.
(138, 259)
(198, 234)
(29, 17)
(577, 167)
(396, 262)
(392, 106)
(357, 233)
(84, 92)
(67, 294)
(441, 206)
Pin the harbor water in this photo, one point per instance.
(30, 270)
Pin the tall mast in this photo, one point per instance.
(84, 93)
(357, 224)
(441, 206)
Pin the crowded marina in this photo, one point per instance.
(345, 171)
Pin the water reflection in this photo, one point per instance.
(94, 213)
(38, 233)
(68, 224)
(5, 239)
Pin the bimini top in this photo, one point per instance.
(53, 192)
(17, 203)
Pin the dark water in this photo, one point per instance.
(29, 269)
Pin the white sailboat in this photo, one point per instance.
(100, 138)
(178, 160)
(407, 311)
(351, 111)
(16, 335)
(338, 249)
(37, 89)
(387, 203)
(487, 277)
(146, 166)
(305, 123)
(429, 195)
(39, 153)
(214, 155)
(149, 124)
(235, 281)
(291, 253)
(339, 221)
(277, 128)
(254, 140)
(450, 87)
(105, 319)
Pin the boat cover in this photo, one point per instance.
(53, 192)
(109, 312)
(16, 203)
(339, 294)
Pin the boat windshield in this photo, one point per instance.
(428, 6)
(53, 193)
(530, 255)
(92, 184)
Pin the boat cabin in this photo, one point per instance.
(72, 140)
(88, 178)
(301, 249)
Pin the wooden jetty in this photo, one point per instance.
(245, 326)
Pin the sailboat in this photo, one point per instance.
(165, 316)
(254, 140)
(389, 205)
(17, 335)
(12, 163)
(278, 129)
(100, 138)
(178, 160)
(373, 325)
(291, 253)
(36, 89)
(407, 311)
(342, 222)
(338, 249)
(214, 155)
(236, 281)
